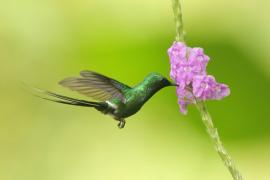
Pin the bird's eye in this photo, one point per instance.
(165, 81)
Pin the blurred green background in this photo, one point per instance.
(42, 42)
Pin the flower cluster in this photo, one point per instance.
(188, 70)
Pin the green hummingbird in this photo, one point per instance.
(113, 97)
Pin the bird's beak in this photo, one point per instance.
(174, 84)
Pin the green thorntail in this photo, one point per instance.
(115, 98)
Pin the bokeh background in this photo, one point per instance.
(42, 42)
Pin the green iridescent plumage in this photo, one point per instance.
(116, 99)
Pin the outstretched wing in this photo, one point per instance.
(96, 86)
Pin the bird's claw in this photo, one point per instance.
(121, 124)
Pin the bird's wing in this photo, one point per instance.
(96, 86)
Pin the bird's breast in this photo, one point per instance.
(134, 101)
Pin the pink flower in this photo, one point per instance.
(186, 63)
(221, 91)
(197, 55)
(185, 97)
(188, 70)
(205, 87)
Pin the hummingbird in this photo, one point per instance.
(112, 97)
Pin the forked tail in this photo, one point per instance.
(47, 95)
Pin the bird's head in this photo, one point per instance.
(153, 83)
(159, 80)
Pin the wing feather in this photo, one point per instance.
(96, 86)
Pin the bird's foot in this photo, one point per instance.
(121, 124)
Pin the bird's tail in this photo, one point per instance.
(50, 96)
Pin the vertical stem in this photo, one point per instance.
(206, 118)
(178, 20)
(213, 133)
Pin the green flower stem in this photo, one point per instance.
(178, 20)
(206, 118)
(213, 133)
